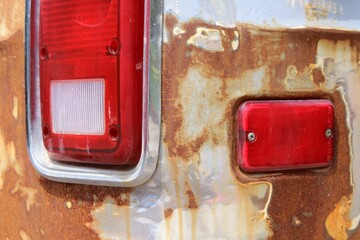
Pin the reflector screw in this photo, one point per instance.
(46, 131)
(44, 53)
(328, 133)
(114, 47)
(114, 133)
(251, 137)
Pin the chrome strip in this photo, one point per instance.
(93, 175)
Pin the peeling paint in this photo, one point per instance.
(296, 81)
(111, 221)
(15, 111)
(11, 16)
(207, 39)
(27, 193)
(338, 223)
(315, 9)
(24, 235)
(8, 160)
(68, 205)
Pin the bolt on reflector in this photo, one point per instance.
(280, 135)
(77, 106)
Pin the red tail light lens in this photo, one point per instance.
(91, 54)
(280, 135)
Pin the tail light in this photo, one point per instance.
(283, 135)
(89, 71)
(91, 55)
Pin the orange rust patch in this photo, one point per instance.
(168, 212)
(318, 77)
(338, 221)
(192, 201)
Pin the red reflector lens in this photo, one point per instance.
(280, 135)
(91, 85)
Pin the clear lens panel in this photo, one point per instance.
(77, 107)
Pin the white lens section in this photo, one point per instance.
(77, 106)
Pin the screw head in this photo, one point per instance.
(251, 137)
(114, 47)
(328, 133)
(44, 53)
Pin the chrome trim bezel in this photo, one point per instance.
(94, 175)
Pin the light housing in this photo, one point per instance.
(89, 71)
(91, 54)
(284, 135)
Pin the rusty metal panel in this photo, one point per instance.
(216, 54)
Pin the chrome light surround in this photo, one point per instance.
(88, 174)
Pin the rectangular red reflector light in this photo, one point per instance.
(284, 135)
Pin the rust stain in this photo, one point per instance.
(168, 212)
(279, 53)
(175, 174)
(192, 200)
(318, 77)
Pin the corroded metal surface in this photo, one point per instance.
(197, 190)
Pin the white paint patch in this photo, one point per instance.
(337, 60)
(111, 221)
(4, 30)
(8, 160)
(26, 193)
(178, 31)
(24, 235)
(296, 81)
(355, 223)
(236, 42)
(11, 18)
(217, 221)
(207, 39)
(15, 111)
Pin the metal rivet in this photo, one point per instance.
(328, 133)
(251, 137)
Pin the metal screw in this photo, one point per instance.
(328, 133)
(251, 137)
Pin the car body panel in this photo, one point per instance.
(216, 55)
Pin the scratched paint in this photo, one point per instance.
(198, 192)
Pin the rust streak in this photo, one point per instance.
(168, 212)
